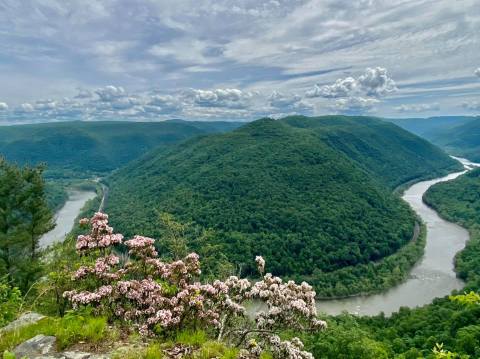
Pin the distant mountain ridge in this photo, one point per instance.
(458, 135)
(97, 146)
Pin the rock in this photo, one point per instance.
(40, 346)
(44, 347)
(25, 319)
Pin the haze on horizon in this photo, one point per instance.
(237, 60)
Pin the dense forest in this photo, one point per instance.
(291, 190)
(82, 149)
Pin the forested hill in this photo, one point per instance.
(94, 147)
(429, 126)
(300, 191)
(458, 135)
(462, 140)
(389, 153)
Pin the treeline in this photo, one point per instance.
(24, 217)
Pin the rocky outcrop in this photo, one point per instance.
(44, 347)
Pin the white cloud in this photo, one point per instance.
(163, 104)
(291, 104)
(376, 82)
(228, 97)
(26, 107)
(420, 107)
(355, 105)
(341, 88)
(477, 72)
(83, 94)
(45, 105)
(110, 93)
(3, 106)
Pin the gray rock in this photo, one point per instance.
(25, 319)
(40, 346)
(44, 347)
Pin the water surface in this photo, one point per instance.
(65, 217)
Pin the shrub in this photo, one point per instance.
(160, 297)
(10, 300)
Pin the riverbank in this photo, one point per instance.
(434, 276)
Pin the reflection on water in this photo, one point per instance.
(65, 218)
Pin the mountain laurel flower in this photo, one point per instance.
(150, 293)
(260, 264)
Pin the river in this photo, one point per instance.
(65, 217)
(433, 276)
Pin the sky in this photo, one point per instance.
(146, 60)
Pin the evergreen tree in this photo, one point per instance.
(24, 217)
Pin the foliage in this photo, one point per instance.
(24, 217)
(158, 297)
(470, 298)
(10, 301)
(312, 195)
(56, 195)
(345, 339)
(371, 277)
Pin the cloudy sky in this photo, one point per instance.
(237, 60)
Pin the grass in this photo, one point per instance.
(68, 330)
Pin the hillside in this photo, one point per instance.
(458, 135)
(300, 191)
(392, 155)
(428, 127)
(94, 147)
(463, 140)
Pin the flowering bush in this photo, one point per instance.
(156, 296)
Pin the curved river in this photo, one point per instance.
(65, 217)
(433, 276)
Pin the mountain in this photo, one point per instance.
(462, 140)
(94, 147)
(458, 135)
(312, 195)
(387, 152)
(428, 127)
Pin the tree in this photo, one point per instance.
(35, 206)
(24, 217)
(173, 234)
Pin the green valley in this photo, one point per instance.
(313, 195)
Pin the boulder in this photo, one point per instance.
(23, 320)
(40, 346)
